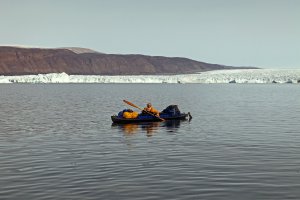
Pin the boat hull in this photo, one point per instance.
(122, 120)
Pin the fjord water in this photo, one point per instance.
(57, 142)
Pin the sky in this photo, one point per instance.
(261, 33)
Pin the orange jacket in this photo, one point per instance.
(152, 110)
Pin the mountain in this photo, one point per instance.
(80, 61)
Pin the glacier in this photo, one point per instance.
(218, 76)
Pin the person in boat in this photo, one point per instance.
(152, 110)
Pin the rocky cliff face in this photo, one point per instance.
(22, 61)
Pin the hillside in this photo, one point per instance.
(79, 61)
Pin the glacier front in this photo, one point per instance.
(218, 76)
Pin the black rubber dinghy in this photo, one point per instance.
(149, 118)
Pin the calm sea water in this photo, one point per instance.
(57, 142)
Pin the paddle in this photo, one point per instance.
(131, 104)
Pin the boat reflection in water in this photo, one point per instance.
(148, 127)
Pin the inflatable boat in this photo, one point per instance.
(149, 118)
(170, 113)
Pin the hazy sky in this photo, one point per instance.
(262, 33)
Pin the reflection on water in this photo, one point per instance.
(147, 127)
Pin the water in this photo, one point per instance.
(58, 142)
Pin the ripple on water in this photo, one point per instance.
(57, 142)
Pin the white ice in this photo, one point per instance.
(218, 76)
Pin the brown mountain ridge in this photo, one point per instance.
(80, 61)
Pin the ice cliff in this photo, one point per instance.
(218, 76)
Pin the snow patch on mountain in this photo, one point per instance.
(79, 50)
